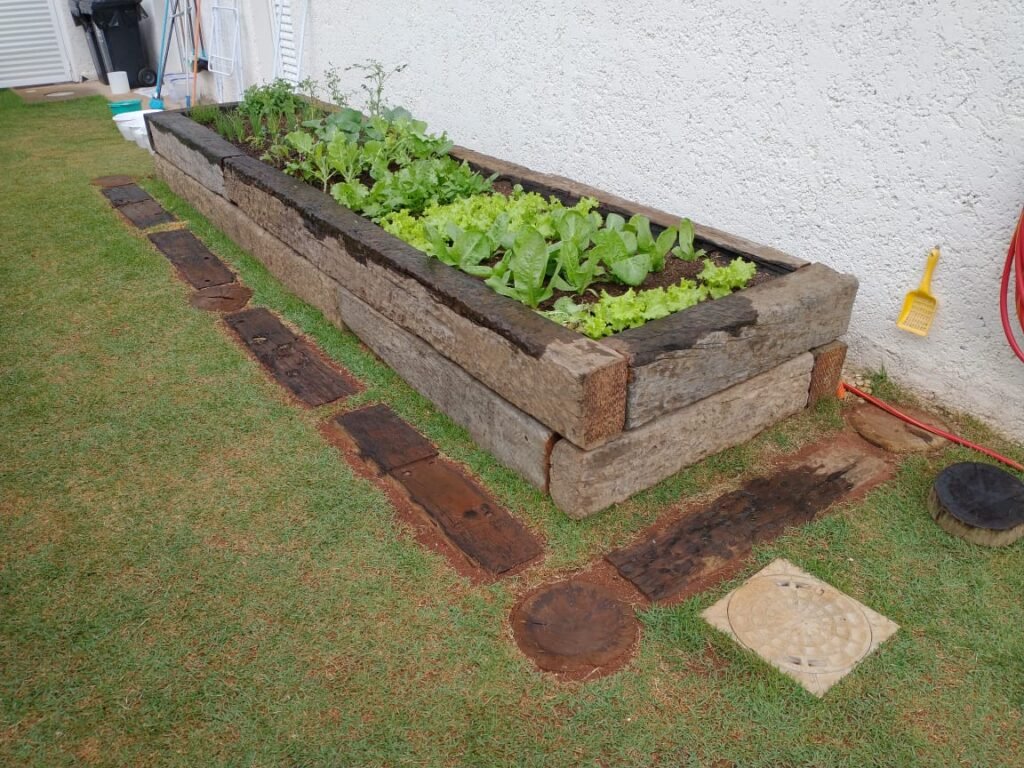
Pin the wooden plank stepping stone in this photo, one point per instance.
(221, 298)
(468, 516)
(193, 260)
(124, 194)
(145, 214)
(887, 432)
(688, 554)
(576, 628)
(465, 513)
(384, 438)
(290, 360)
(979, 503)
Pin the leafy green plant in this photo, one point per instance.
(611, 314)
(629, 250)
(721, 281)
(685, 249)
(525, 278)
(312, 159)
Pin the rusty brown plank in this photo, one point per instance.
(124, 194)
(193, 260)
(668, 561)
(384, 438)
(145, 214)
(290, 360)
(468, 516)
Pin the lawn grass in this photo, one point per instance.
(190, 576)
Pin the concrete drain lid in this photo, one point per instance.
(575, 628)
(800, 625)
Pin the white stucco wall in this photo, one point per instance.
(858, 134)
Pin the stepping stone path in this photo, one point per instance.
(687, 555)
(221, 298)
(979, 503)
(887, 432)
(193, 260)
(217, 288)
(575, 628)
(135, 204)
(800, 625)
(464, 512)
(292, 361)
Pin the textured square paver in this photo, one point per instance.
(800, 625)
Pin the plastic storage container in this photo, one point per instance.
(115, 41)
(129, 105)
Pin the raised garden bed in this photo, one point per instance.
(591, 422)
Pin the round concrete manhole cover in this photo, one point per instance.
(800, 624)
(575, 628)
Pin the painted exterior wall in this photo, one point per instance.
(859, 134)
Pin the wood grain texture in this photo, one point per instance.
(468, 516)
(573, 385)
(384, 438)
(690, 355)
(292, 361)
(193, 148)
(193, 260)
(585, 482)
(513, 437)
(297, 274)
(827, 372)
(669, 561)
(145, 214)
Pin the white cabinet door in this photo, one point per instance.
(31, 46)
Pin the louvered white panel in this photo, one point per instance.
(288, 40)
(31, 46)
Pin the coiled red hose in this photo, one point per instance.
(1014, 270)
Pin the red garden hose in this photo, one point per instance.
(928, 427)
(1014, 268)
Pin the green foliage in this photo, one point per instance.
(375, 78)
(685, 249)
(412, 188)
(230, 125)
(490, 213)
(721, 281)
(611, 314)
(386, 166)
(204, 114)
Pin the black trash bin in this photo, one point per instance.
(115, 40)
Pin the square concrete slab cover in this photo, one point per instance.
(802, 626)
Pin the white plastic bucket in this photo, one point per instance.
(141, 136)
(124, 123)
(132, 126)
(118, 82)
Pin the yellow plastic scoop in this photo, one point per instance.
(919, 306)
